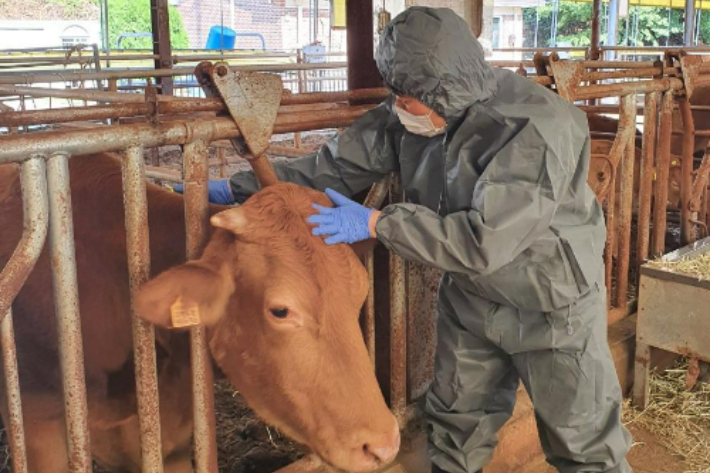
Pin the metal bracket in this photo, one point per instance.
(252, 99)
(567, 75)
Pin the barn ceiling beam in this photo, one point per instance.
(160, 22)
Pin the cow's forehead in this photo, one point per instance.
(277, 217)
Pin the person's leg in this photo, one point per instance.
(568, 370)
(474, 387)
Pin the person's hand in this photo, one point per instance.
(347, 222)
(219, 191)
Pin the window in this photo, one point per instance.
(496, 32)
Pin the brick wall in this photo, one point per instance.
(284, 26)
(250, 16)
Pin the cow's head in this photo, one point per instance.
(281, 309)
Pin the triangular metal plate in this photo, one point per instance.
(253, 100)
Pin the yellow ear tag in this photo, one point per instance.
(184, 315)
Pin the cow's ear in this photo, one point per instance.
(187, 295)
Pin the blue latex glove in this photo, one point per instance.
(346, 223)
(219, 191)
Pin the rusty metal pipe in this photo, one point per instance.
(66, 300)
(15, 427)
(263, 171)
(138, 252)
(597, 64)
(398, 322)
(625, 134)
(147, 109)
(648, 151)
(610, 239)
(155, 172)
(663, 163)
(196, 172)
(375, 197)
(85, 94)
(700, 184)
(626, 88)
(609, 109)
(623, 73)
(106, 139)
(35, 222)
(686, 166)
(628, 107)
(35, 210)
(80, 76)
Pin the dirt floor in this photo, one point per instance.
(648, 455)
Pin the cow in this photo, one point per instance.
(279, 306)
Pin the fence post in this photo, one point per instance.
(196, 173)
(663, 162)
(625, 207)
(398, 323)
(686, 166)
(650, 127)
(66, 300)
(138, 253)
(33, 178)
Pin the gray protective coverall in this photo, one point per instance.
(500, 203)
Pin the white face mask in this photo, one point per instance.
(418, 124)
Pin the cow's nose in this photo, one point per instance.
(381, 449)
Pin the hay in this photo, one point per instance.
(680, 418)
(698, 266)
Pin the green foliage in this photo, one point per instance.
(574, 23)
(645, 26)
(133, 16)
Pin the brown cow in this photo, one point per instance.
(280, 307)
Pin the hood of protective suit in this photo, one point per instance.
(430, 54)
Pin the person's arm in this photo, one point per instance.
(513, 203)
(349, 163)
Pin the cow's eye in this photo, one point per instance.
(280, 313)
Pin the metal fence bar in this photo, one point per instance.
(104, 139)
(138, 252)
(628, 109)
(663, 163)
(77, 76)
(648, 150)
(196, 173)
(16, 427)
(374, 199)
(33, 179)
(686, 165)
(398, 323)
(306, 103)
(66, 300)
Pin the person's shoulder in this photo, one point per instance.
(519, 96)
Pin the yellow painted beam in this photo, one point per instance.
(676, 4)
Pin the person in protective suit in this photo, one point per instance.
(494, 169)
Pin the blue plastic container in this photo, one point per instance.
(221, 38)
